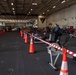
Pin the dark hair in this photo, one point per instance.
(57, 25)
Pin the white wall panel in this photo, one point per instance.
(64, 17)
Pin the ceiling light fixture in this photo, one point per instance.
(12, 8)
(63, 1)
(43, 13)
(34, 3)
(54, 6)
(11, 3)
(47, 10)
(29, 12)
(31, 9)
(14, 12)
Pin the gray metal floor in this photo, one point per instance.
(15, 58)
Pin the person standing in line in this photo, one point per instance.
(58, 33)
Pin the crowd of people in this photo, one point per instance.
(55, 30)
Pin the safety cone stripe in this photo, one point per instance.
(26, 38)
(21, 33)
(64, 66)
(26, 35)
(64, 71)
(31, 42)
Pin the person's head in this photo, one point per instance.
(56, 25)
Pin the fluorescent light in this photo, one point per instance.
(14, 12)
(12, 8)
(54, 6)
(43, 13)
(29, 12)
(34, 3)
(63, 1)
(47, 10)
(11, 3)
(31, 9)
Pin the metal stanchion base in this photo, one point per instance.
(51, 64)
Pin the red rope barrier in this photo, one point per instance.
(59, 48)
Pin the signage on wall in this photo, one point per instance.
(42, 19)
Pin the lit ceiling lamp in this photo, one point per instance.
(63, 1)
(31, 9)
(43, 12)
(29, 12)
(14, 12)
(34, 3)
(54, 6)
(47, 10)
(12, 8)
(11, 3)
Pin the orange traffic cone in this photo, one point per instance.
(64, 66)
(26, 38)
(31, 50)
(20, 33)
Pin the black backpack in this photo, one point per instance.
(60, 31)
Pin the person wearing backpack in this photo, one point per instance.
(58, 32)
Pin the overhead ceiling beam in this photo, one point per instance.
(9, 6)
(66, 5)
(23, 6)
(15, 4)
(3, 7)
(51, 6)
(18, 14)
(29, 7)
(43, 6)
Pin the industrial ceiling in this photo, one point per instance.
(25, 9)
